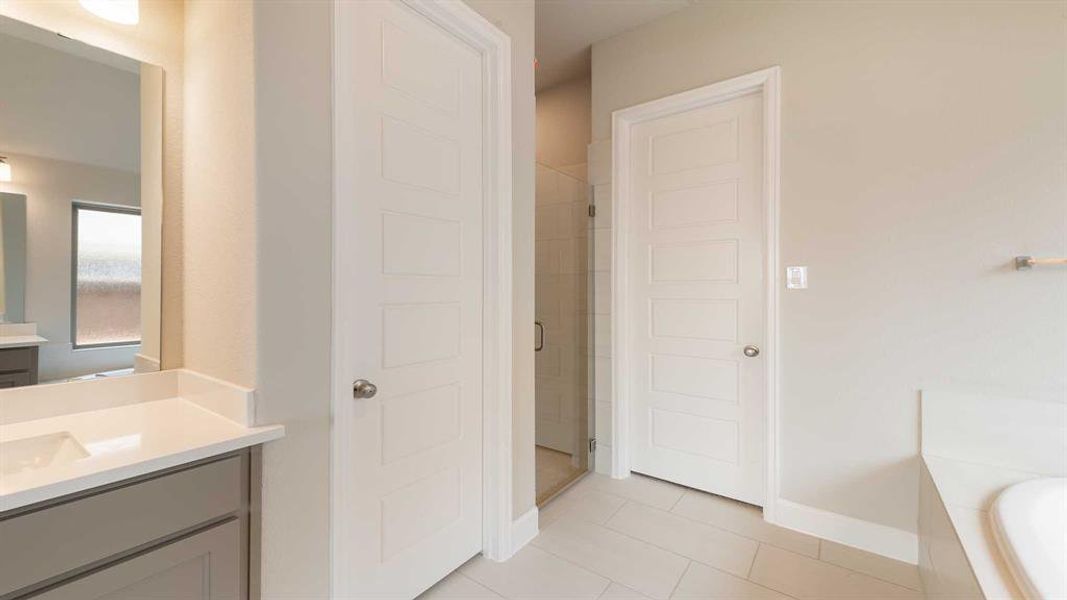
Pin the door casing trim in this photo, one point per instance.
(495, 47)
(768, 82)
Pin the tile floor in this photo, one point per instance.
(554, 471)
(641, 538)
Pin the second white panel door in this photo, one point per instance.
(695, 267)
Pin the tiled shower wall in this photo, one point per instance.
(599, 171)
(562, 305)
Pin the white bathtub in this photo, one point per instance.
(1030, 524)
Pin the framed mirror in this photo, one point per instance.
(81, 199)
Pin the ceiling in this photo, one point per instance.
(566, 29)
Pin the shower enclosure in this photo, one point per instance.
(563, 329)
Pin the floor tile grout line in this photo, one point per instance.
(562, 558)
(752, 565)
(678, 501)
(606, 587)
(694, 521)
(475, 582)
(755, 583)
(739, 534)
(615, 512)
(585, 568)
(657, 546)
(674, 590)
(639, 540)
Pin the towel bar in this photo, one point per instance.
(1025, 263)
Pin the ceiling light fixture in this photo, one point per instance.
(125, 12)
(5, 170)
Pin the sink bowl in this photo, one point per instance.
(38, 452)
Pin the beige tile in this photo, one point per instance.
(893, 571)
(534, 573)
(458, 585)
(648, 491)
(743, 519)
(804, 578)
(554, 471)
(582, 502)
(709, 545)
(701, 581)
(630, 562)
(621, 592)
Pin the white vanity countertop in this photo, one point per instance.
(123, 442)
(17, 341)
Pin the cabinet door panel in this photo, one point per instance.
(56, 540)
(205, 566)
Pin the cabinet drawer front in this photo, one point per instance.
(205, 566)
(16, 359)
(44, 544)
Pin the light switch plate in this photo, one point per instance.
(796, 278)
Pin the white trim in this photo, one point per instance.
(524, 530)
(850, 531)
(767, 81)
(460, 20)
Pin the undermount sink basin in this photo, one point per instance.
(38, 452)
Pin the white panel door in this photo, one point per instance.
(696, 292)
(413, 268)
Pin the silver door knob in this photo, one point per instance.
(361, 388)
(751, 351)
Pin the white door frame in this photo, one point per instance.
(767, 81)
(494, 45)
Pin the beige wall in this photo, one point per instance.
(923, 147)
(157, 39)
(220, 187)
(564, 121)
(516, 18)
(294, 273)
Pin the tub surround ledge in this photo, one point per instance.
(973, 448)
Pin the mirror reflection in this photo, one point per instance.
(80, 210)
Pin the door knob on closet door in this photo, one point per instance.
(361, 388)
(751, 351)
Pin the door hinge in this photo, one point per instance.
(592, 210)
(592, 445)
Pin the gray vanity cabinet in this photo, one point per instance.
(204, 566)
(18, 366)
(180, 533)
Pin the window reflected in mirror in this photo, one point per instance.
(107, 276)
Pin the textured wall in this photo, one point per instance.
(220, 191)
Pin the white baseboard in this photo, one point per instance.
(523, 530)
(850, 531)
